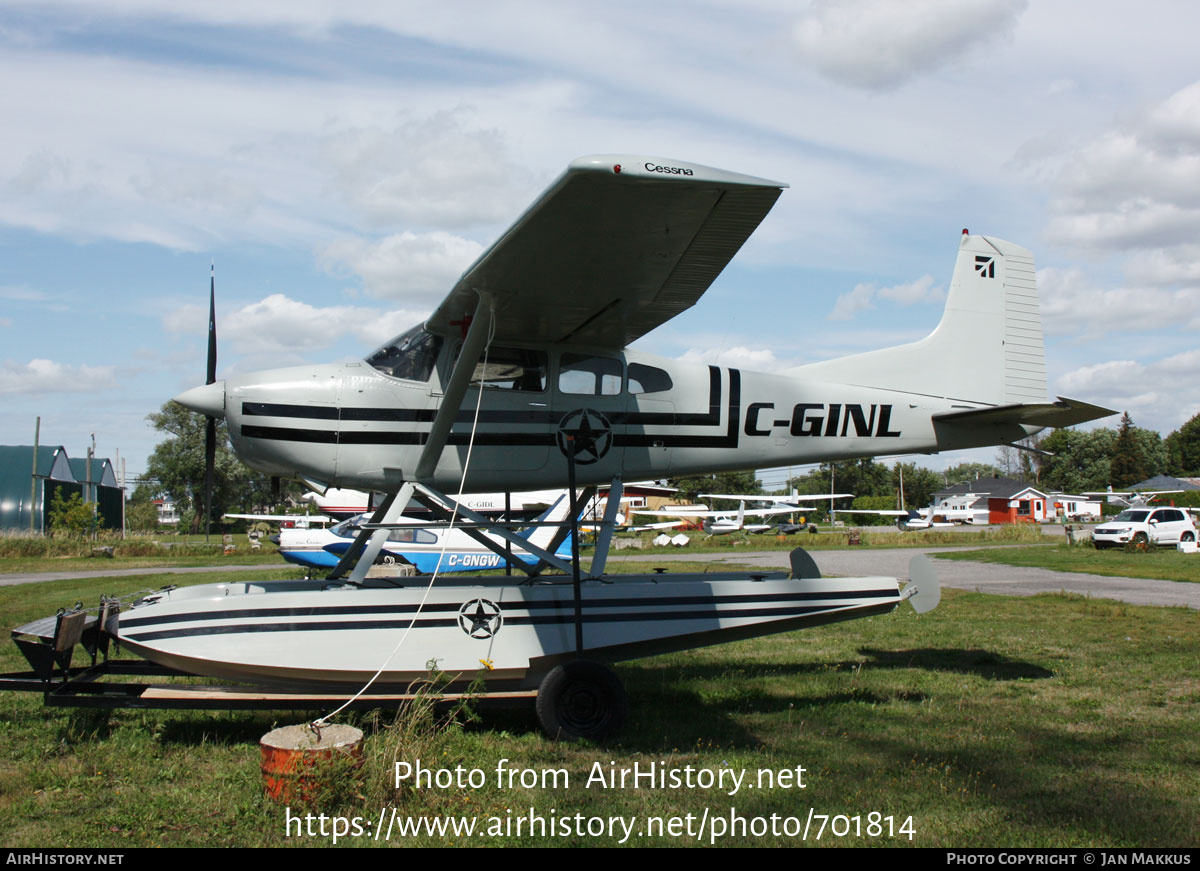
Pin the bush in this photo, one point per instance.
(73, 516)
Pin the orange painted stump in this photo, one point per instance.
(295, 758)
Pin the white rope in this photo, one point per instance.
(322, 722)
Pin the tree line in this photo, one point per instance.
(1063, 460)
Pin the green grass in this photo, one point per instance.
(1051, 721)
(30, 553)
(1163, 564)
(828, 540)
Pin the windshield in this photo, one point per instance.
(409, 356)
(1132, 516)
(349, 527)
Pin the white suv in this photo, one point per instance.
(1145, 526)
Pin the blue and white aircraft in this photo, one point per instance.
(427, 545)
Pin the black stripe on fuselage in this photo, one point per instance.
(534, 417)
(728, 440)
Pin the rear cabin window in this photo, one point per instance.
(647, 379)
(410, 356)
(583, 375)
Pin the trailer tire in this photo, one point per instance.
(581, 699)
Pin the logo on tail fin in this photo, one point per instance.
(985, 266)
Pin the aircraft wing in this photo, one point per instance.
(281, 518)
(729, 515)
(616, 246)
(693, 511)
(783, 500)
(669, 525)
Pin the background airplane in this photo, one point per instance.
(727, 522)
(1131, 498)
(427, 545)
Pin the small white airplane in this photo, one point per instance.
(1131, 498)
(524, 377)
(906, 519)
(728, 522)
(719, 522)
(428, 546)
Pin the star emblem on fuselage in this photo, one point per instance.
(592, 434)
(480, 618)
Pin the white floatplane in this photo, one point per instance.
(523, 378)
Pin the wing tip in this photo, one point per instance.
(647, 167)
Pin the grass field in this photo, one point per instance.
(992, 721)
(868, 538)
(1165, 564)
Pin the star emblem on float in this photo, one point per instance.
(480, 618)
(592, 434)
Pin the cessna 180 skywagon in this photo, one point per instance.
(523, 377)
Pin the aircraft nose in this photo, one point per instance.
(207, 400)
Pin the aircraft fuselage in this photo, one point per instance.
(629, 414)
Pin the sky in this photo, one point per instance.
(340, 163)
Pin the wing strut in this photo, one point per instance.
(360, 540)
(379, 537)
(456, 389)
(607, 526)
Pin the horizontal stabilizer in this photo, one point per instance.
(1064, 412)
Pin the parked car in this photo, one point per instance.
(1145, 526)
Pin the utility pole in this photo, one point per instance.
(37, 434)
(88, 483)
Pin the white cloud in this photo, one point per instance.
(1160, 394)
(1070, 303)
(1179, 264)
(853, 303)
(880, 44)
(738, 356)
(1137, 186)
(408, 266)
(921, 290)
(862, 298)
(278, 324)
(433, 171)
(22, 294)
(41, 376)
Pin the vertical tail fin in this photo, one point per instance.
(987, 348)
(540, 536)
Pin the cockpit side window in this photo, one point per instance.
(647, 379)
(410, 356)
(511, 369)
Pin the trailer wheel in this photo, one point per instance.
(581, 699)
